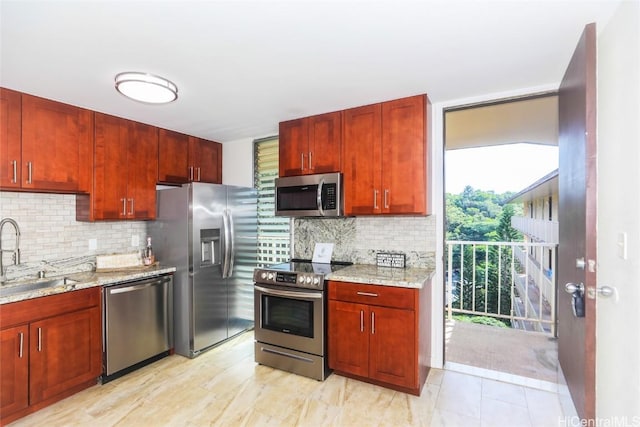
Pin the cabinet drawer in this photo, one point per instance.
(387, 296)
(40, 308)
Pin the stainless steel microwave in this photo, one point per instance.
(317, 195)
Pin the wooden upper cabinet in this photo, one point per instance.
(173, 157)
(310, 145)
(57, 141)
(404, 156)
(361, 160)
(206, 160)
(385, 158)
(10, 136)
(183, 158)
(125, 170)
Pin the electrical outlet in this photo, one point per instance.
(93, 244)
(135, 241)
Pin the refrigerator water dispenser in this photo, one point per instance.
(210, 249)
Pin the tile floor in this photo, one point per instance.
(224, 387)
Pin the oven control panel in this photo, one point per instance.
(293, 279)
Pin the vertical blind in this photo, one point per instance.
(273, 232)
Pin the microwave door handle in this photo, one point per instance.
(319, 197)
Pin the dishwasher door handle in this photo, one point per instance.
(133, 288)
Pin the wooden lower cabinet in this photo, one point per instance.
(55, 351)
(374, 335)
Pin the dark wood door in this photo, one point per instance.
(142, 146)
(349, 337)
(577, 258)
(325, 142)
(361, 160)
(404, 156)
(14, 375)
(392, 346)
(293, 147)
(10, 144)
(205, 158)
(65, 351)
(173, 157)
(110, 170)
(56, 145)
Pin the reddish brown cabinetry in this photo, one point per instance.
(385, 158)
(57, 141)
(183, 158)
(125, 171)
(310, 145)
(51, 348)
(10, 136)
(374, 335)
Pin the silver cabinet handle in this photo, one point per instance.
(190, 173)
(21, 345)
(373, 323)
(39, 339)
(30, 174)
(199, 178)
(124, 207)
(132, 207)
(375, 199)
(301, 161)
(366, 294)
(15, 171)
(310, 161)
(386, 199)
(361, 320)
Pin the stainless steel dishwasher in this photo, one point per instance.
(137, 324)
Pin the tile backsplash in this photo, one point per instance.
(358, 239)
(49, 230)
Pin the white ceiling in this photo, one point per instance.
(243, 66)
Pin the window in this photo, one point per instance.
(273, 232)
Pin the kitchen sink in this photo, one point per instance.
(8, 290)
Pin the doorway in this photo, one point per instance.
(500, 234)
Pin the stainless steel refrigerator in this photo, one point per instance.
(209, 232)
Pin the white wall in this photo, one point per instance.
(618, 319)
(237, 162)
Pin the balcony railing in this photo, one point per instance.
(503, 280)
(538, 229)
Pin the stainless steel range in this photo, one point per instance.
(290, 317)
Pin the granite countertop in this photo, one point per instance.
(387, 276)
(82, 280)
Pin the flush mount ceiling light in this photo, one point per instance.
(144, 87)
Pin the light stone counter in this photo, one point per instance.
(373, 275)
(82, 280)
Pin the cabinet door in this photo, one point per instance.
(110, 171)
(205, 158)
(56, 146)
(325, 142)
(65, 351)
(14, 375)
(10, 129)
(173, 157)
(349, 337)
(361, 160)
(404, 156)
(293, 147)
(392, 346)
(142, 170)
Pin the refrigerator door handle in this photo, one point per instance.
(227, 245)
(232, 243)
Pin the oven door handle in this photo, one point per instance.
(291, 294)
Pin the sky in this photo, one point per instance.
(499, 168)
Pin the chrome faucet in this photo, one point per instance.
(16, 250)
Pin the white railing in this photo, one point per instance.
(503, 281)
(538, 229)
